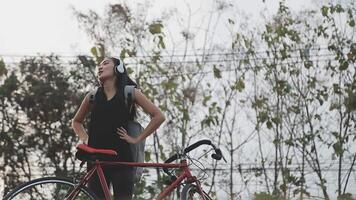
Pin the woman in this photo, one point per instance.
(108, 122)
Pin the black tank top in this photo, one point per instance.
(106, 116)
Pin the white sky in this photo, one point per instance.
(28, 27)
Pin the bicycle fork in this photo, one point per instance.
(193, 179)
(185, 174)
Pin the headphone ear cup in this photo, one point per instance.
(119, 69)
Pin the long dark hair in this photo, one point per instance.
(122, 80)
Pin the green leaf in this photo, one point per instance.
(98, 52)
(339, 8)
(335, 134)
(263, 116)
(186, 115)
(269, 28)
(131, 53)
(334, 106)
(294, 109)
(206, 99)
(94, 51)
(217, 72)
(3, 70)
(308, 64)
(324, 11)
(161, 150)
(231, 21)
(263, 196)
(240, 85)
(350, 101)
(129, 70)
(276, 120)
(343, 65)
(289, 142)
(147, 156)
(318, 117)
(269, 124)
(346, 196)
(123, 53)
(336, 88)
(338, 148)
(10, 84)
(170, 84)
(161, 42)
(155, 28)
(259, 102)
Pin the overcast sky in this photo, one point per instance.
(28, 27)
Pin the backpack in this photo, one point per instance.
(134, 129)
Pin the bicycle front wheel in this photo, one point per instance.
(191, 192)
(48, 188)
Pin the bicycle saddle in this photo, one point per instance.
(89, 149)
(86, 153)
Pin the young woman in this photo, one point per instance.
(108, 122)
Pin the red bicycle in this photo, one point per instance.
(59, 188)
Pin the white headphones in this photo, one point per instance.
(119, 69)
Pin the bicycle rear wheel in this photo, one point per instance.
(191, 192)
(48, 188)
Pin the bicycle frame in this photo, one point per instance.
(185, 175)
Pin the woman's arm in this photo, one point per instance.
(157, 118)
(77, 121)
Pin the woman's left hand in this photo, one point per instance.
(123, 135)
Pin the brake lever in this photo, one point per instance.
(81, 164)
(223, 158)
(220, 154)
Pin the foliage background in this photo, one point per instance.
(279, 99)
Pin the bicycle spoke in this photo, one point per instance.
(190, 192)
(45, 189)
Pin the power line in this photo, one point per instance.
(321, 58)
(173, 55)
(216, 60)
(325, 58)
(248, 169)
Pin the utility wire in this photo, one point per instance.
(215, 60)
(321, 59)
(173, 55)
(244, 170)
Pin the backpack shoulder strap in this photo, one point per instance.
(92, 96)
(129, 93)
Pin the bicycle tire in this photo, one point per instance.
(33, 190)
(191, 192)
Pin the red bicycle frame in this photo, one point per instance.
(185, 174)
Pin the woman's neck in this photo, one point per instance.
(109, 87)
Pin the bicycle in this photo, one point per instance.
(60, 188)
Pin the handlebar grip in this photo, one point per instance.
(195, 145)
(217, 155)
(186, 150)
(172, 158)
(169, 160)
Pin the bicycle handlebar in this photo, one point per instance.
(217, 155)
